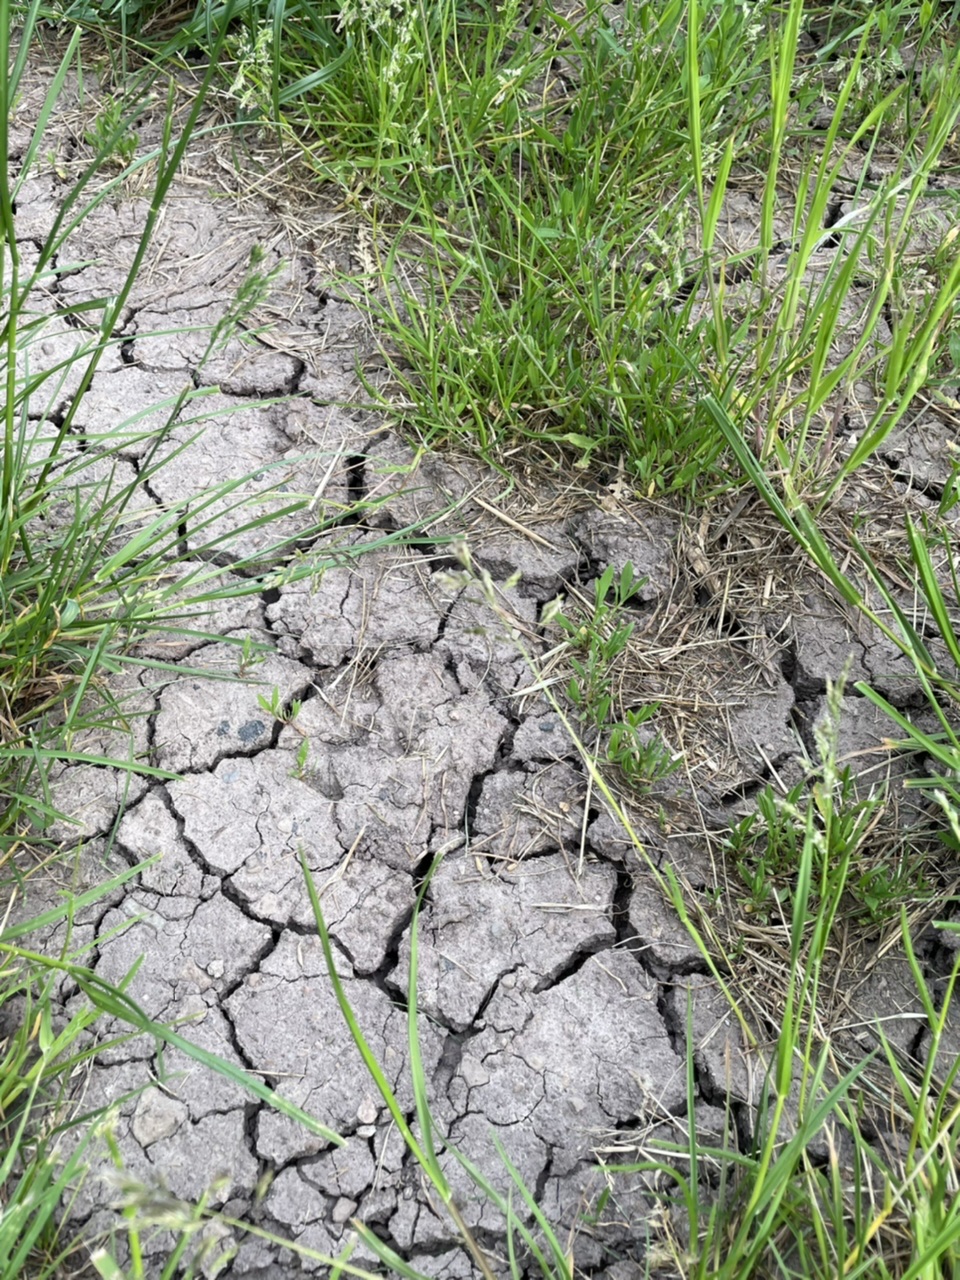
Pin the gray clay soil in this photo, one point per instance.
(554, 980)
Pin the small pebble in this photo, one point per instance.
(367, 1112)
(344, 1209)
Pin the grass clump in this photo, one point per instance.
(598, 637)
(576, 220)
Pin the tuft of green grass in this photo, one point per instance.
(553, 252)
(549, 201)
(595, 641)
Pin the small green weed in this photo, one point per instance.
(765, 847)
(596, 640)
(110, 135)
(252, 654)
(638, 753)
(300, 769)
(284, 712)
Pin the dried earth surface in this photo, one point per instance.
(554, 979)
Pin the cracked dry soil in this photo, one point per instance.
(554, 981)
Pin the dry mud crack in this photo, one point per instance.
(553, 979)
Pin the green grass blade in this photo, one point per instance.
(75, 903)
(369, 1057)
(417, 1076)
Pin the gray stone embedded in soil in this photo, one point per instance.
(478, 926)
(228, 464)
(396, 761)
(541, 736)
(52, 361)
(342, 1171)
(721, 1058)
(210, 1157)
(184, 940)
(127, 408)
(828, 645)
(249, 819)
(149, 829)
(481, 645)
(177, 339)
(200, 1088)
(522, 813)
(157, 1116)
(658, 935)
(921, 450)
(884, 1001)
(629, 1213)
(90, 795)
(864, 746)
